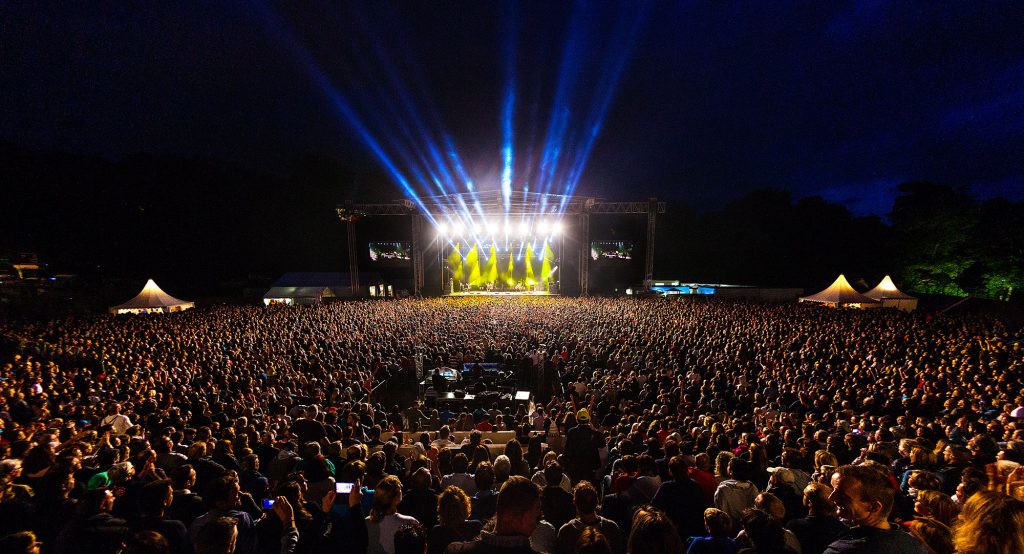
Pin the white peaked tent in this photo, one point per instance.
(151, 300)
(892, 297)
(840, 293)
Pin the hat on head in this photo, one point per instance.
(783, 474)
(583, 415)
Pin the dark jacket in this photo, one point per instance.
(815, 533)
(872, 540)
(557, 505)
(99, 533)
(440, 536)
(684, 503)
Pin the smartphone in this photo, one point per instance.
(268, 503)
(343, 488)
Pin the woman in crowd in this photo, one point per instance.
(453, 523)
(384, 520)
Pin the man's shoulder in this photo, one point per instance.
(858, 540)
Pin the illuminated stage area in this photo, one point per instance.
(508, 266)
(501, 293)
(488, 242)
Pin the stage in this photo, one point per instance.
(502, 293)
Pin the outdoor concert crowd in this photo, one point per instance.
(656, 426)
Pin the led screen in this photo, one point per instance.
(611, 250)
(390, 252)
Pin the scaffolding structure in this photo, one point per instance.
(491, 203)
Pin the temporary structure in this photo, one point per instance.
(152, 300)
(839, 294)
(302, 295)
(316, 287)
(892, 297)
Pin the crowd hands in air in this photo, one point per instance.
(659, 426)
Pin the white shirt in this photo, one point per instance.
(382, 534)
(118, 422)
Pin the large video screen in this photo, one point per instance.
(611, 250)
(390, 252)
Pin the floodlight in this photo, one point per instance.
(458, 228)
(542, 227)
(442, 229)
(477, 230)
(492, 228)
(556, 228)
(524, 229)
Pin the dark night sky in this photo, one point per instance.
(840, 99)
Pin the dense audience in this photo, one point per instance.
(654, 426)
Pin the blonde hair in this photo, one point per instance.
(453, 506)
(388, 489)
(935, 535)
(983, 525)
(825, 458)
(940, 506)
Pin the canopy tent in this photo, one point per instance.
(892, 297)
(151, 300)
(302, 295)
(841, 293)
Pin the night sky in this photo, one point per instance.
(840, 99)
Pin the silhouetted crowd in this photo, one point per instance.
(656, 426)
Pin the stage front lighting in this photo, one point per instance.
(477, 230)
(492, 228)
(458, 228)
(442, 229)
(556, 228)
(524, 229)
(542, 228)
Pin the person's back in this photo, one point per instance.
(557, 504)
(866, 540)
(712, 545)
(569, 534)
(382, 531)
(737, 493)
(440, 536)
(94, 530)
(718, 525)
(816, 531)
(681, 499)
(585, 500)
(518, 511)
(581, 449)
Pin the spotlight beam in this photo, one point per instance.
(276, 26)
(629, 24)
(508, 107)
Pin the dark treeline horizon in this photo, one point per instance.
(198, 223)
